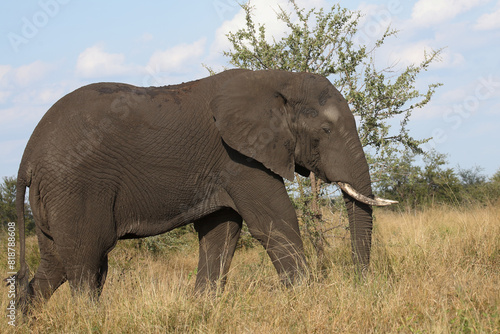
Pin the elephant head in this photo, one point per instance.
(300, 122)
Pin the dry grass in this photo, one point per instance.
(436, 271)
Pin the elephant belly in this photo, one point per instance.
(159, 211)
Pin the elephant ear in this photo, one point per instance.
(250, 113)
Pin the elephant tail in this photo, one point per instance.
(22, 276)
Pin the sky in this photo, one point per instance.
(49, 48)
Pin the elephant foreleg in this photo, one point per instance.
(271, 219)
(281, 239)
(218, 234)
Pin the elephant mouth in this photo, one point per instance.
(376, 201)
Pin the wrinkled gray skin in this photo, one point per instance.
(112, 161)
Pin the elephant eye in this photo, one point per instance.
(327, 130)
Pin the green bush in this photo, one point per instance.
(176, 240)
(433, 183)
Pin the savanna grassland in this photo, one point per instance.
(436, 270)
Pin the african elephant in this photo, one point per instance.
(111, 161)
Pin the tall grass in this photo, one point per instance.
(432, 271)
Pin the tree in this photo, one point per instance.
(416, 185)
(494, 187)
(496, 177)
(323, 42)
(8, 205)
(8, 201)
(472, 176)
(476, 186)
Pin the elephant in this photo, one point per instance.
(113, 161)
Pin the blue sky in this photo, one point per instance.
(50, 47)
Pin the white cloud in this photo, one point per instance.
(457, 104)
(95, 62)
(24, 75)
(494, 110)
(42, 96)
(431, 111)
(4, 95)
(450, 59)
(11, 152)
(28, 74)
(377, 15)
(22, 113)
(264, 12)
(49, 95)
(431, 12)
(146, 37)
(15, 80)
(404, 55)
(489, 21)
(176, 58)
(409, 54)
(12, 114)
(221, 43)
(4, 69)
(4, 82)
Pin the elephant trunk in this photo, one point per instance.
(359, 208)
(360, 225)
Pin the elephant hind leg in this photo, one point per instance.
(49, 276)
(85, 258)
(218, 234)
(88, 278)
(84, 239)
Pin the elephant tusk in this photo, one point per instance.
(377, 201)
